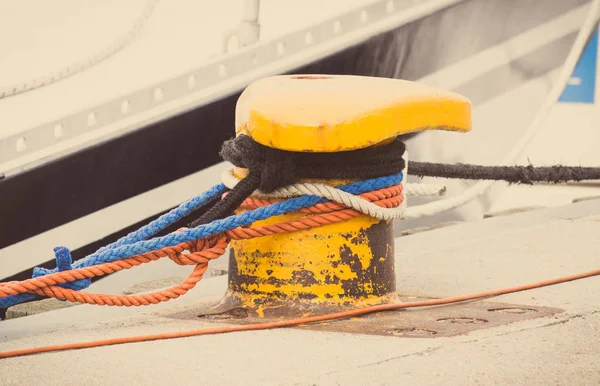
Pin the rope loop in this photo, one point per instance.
(56, 284)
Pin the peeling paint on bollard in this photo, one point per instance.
(335, 266)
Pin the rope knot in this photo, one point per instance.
(274, 167)
(270, 169)
(64, 262)
(201, 251)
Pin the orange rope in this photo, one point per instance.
(292, 322)
(200, 252)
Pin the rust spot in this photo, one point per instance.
(278, 294)
(271, 280)
(233, 268)
(381, 242)
(350, 259)
(380, 274)
(307, 296)
(238, 282)
(304, 278)
(359, 239)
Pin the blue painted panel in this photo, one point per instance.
(582, 87)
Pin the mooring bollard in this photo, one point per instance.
(338, 266)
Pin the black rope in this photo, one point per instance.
(270, 169)
(512, 174)
(279, 168)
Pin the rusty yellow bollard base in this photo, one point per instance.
(343, 265)
(333, 267)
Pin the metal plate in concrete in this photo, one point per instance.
(430, 322)
(436, 321)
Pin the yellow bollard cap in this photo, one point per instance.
(326, 113)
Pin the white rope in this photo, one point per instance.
(481, 187)
(295, 190)
(329, 192)
(350, 200)
(415, 189)
(336, 195)
(116, 46)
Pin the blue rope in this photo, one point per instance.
(143, 233)
(135, 243)
(167, 219)
(64, 262)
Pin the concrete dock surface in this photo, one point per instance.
(560, 348)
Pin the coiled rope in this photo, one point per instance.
(198, 252)
(244, 147)
(265, 167)
(270, 169)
